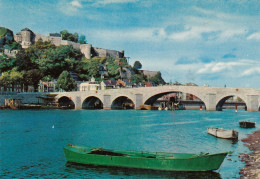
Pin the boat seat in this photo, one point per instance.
(105, 152)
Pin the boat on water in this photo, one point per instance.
(148, 107)
(246, 124)
(223, 133)
(144, 160)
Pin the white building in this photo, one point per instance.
(91, 85)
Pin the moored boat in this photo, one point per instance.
(223, 133)
(148, 107)
(246, 124)
(144, 160)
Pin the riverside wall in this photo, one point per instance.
(32, 98)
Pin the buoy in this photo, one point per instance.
(53, 126)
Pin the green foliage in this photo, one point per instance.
(2, 31)
(137, 65)
(66, 82)
(15, 46)
(6, 63)
(11, 77)
(32, 77)
(23, 61)
(65, 35)
(52, 61)
(82, 39)
(138, 78)
(6, 37)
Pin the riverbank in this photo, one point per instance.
(252, 160)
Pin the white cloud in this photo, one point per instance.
(76, 3)
(70, 8)
(220, 26)
(251, 71)
(105, 2)
(254, 36)
(140, 34)
(215, 67)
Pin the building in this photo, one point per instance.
(108, 84)
(46, 86)
(92, 85)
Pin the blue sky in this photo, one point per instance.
(214, 42)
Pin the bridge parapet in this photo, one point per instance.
(211, 96)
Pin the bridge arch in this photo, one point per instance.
(66, 102)
(122, 102)
(92, 102)
(221, 101)
(180, 97)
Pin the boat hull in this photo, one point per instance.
(152, 161)
(247, 124)
(148, 107)
(222, 133)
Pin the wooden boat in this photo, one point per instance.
(148, 107)
(144, 160)
(246, 124)
(222, 133)
(30, 106)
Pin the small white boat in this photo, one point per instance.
(223, 133)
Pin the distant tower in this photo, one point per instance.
(27, 37)
(86, 50)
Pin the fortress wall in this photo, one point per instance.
(26, 38)
(18, 38)
(55, 40)
(39, 36)
(66, 42)
(100, 52)
(86, 50)
(113, 53)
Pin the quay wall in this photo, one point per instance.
(32, 98)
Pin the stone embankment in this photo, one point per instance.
(252, 160)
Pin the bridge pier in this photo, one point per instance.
(107, 102)
(138, 100)
(252, 102)
(78, 104)
(211, 103)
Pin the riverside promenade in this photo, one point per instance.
(252, 160)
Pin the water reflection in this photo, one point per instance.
(91, 170)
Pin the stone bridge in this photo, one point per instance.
(213, 97)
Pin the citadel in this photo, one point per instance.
(26, 38)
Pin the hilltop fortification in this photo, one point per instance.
(27, 37)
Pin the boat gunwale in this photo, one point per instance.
(193, 155)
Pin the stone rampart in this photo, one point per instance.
(26, 38)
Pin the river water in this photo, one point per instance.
(31, 141)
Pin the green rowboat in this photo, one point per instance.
(144, 160)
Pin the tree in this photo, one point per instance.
(65, 35)
(23, 61)
(11, 77)
(15, 46)
(57, 60)
(66, 82)
(138, 78)
(6, 63)
(32, 77)
(137, 65)
(82, 39)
